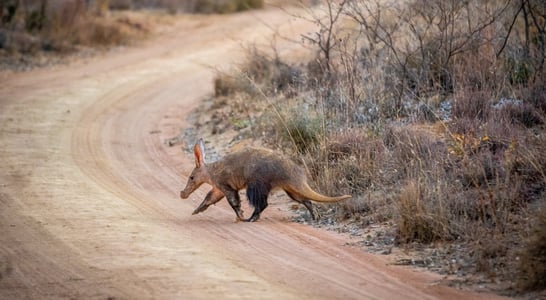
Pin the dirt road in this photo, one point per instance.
(89, 203)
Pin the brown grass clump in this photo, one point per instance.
(225, 6)
(524, 115)
(414, 149)
(533, 260)
(61, 27)
(472, 105)
(226, 84)
(417, 219)
(346, 162)
(97, 31)
(258, 74)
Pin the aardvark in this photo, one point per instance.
(259, 171)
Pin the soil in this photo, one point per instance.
(89, 188)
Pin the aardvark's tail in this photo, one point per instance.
(308, 193)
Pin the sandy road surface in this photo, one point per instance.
(89, 203)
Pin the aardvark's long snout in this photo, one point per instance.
(184, 194)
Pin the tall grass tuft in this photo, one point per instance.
(533, 260)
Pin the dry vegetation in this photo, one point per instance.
(41, 32)
(430, 113)
(35, 32)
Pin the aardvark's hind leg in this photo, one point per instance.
(305, 202)
(235, 203)
(309, 207)
(257, 193)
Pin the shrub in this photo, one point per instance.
(119, 4)
(258, 74)
(523, 114)
(415, 220)
(302, 130)
(413, 149)
(532, 265)
(226, 84)
(535, 95)
(352, 159)
(271, 75)
(225, 6)
(469, 105)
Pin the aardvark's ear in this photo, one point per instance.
(199, 152)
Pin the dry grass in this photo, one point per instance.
(346, 163)
(533, 260)
(65, 28)
(258, 74)
(225, 6)
(41, 29)
(97, 31)
(416, 221)
(448, 150)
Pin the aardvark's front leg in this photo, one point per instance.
(212, 197)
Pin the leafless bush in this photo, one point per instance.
(524, 42)
(424, 40)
